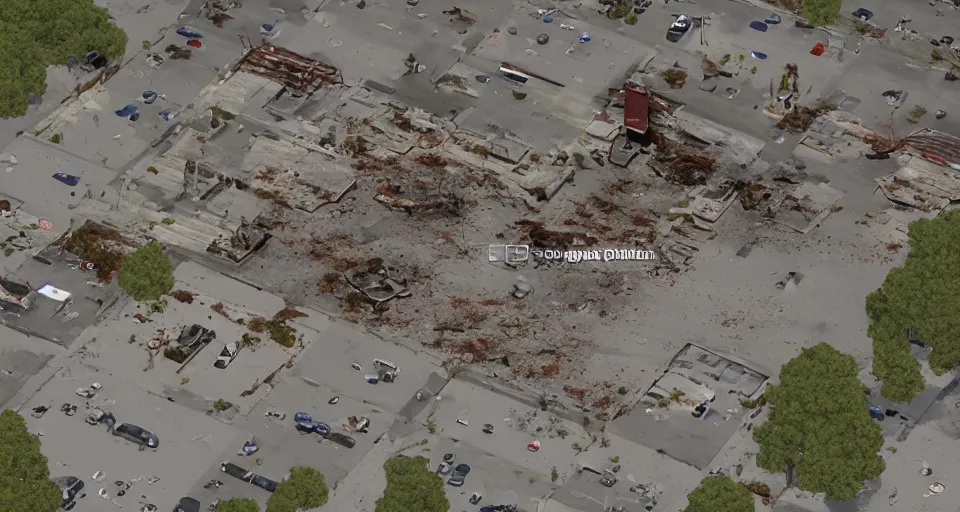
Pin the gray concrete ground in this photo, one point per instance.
(21, 357)
(497, 481)
(642, 470)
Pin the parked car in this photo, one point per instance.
(609, 479)
(187, 504)
(227, 355)
(343, 440)
(459, 475)
(71, 488)
(679, 27)
(194, 335)
(248, 476)
(306, 425)
(140, 436)
(191, 339)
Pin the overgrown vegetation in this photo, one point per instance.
(820, 426)
(26, 484)
(146, 274)
(919, 296)
(412, 485)
(354, 145)
(98, 244)
(277, 327)
(222, 405)
(34, 35)
(821, 13)
(305, 489)
(674, 77)
(249, 340)
(618, 11)
(455, 81)
(720, 494)
(238, 505)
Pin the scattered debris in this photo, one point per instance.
(792, 279)
(916, 114)
(801, 118)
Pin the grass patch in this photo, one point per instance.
(619, 11)
(278, 329)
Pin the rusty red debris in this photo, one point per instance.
(936, 147)
(289, 69)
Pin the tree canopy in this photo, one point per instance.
(411, 485)
(821, 13)
(305, 489)
(921, 295)
(35, 34)
(820, 424)
(25, 484)
(720, 494)
(238, 505)
(146, 273)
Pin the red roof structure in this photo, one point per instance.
(636, 110)
(937, 147)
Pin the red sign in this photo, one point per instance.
(88, 265)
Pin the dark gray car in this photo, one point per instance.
(248, 476)
(187, 504)
(142, 437)
(71, 488)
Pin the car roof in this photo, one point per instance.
(188, 504)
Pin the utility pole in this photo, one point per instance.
(703, 22)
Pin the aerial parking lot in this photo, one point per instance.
(189, 441)
(497, 481)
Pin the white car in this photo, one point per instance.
(227, 355)
(680, 25)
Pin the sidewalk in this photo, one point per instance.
(360, 489)
(54, 366)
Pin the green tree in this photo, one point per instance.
(34, 35)
(146, 273)
(411, 485)
(305, 489)
(238, 505)
(819, 424)
(920, 295)
(25, 484)
(821, 13)
(720, 494)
